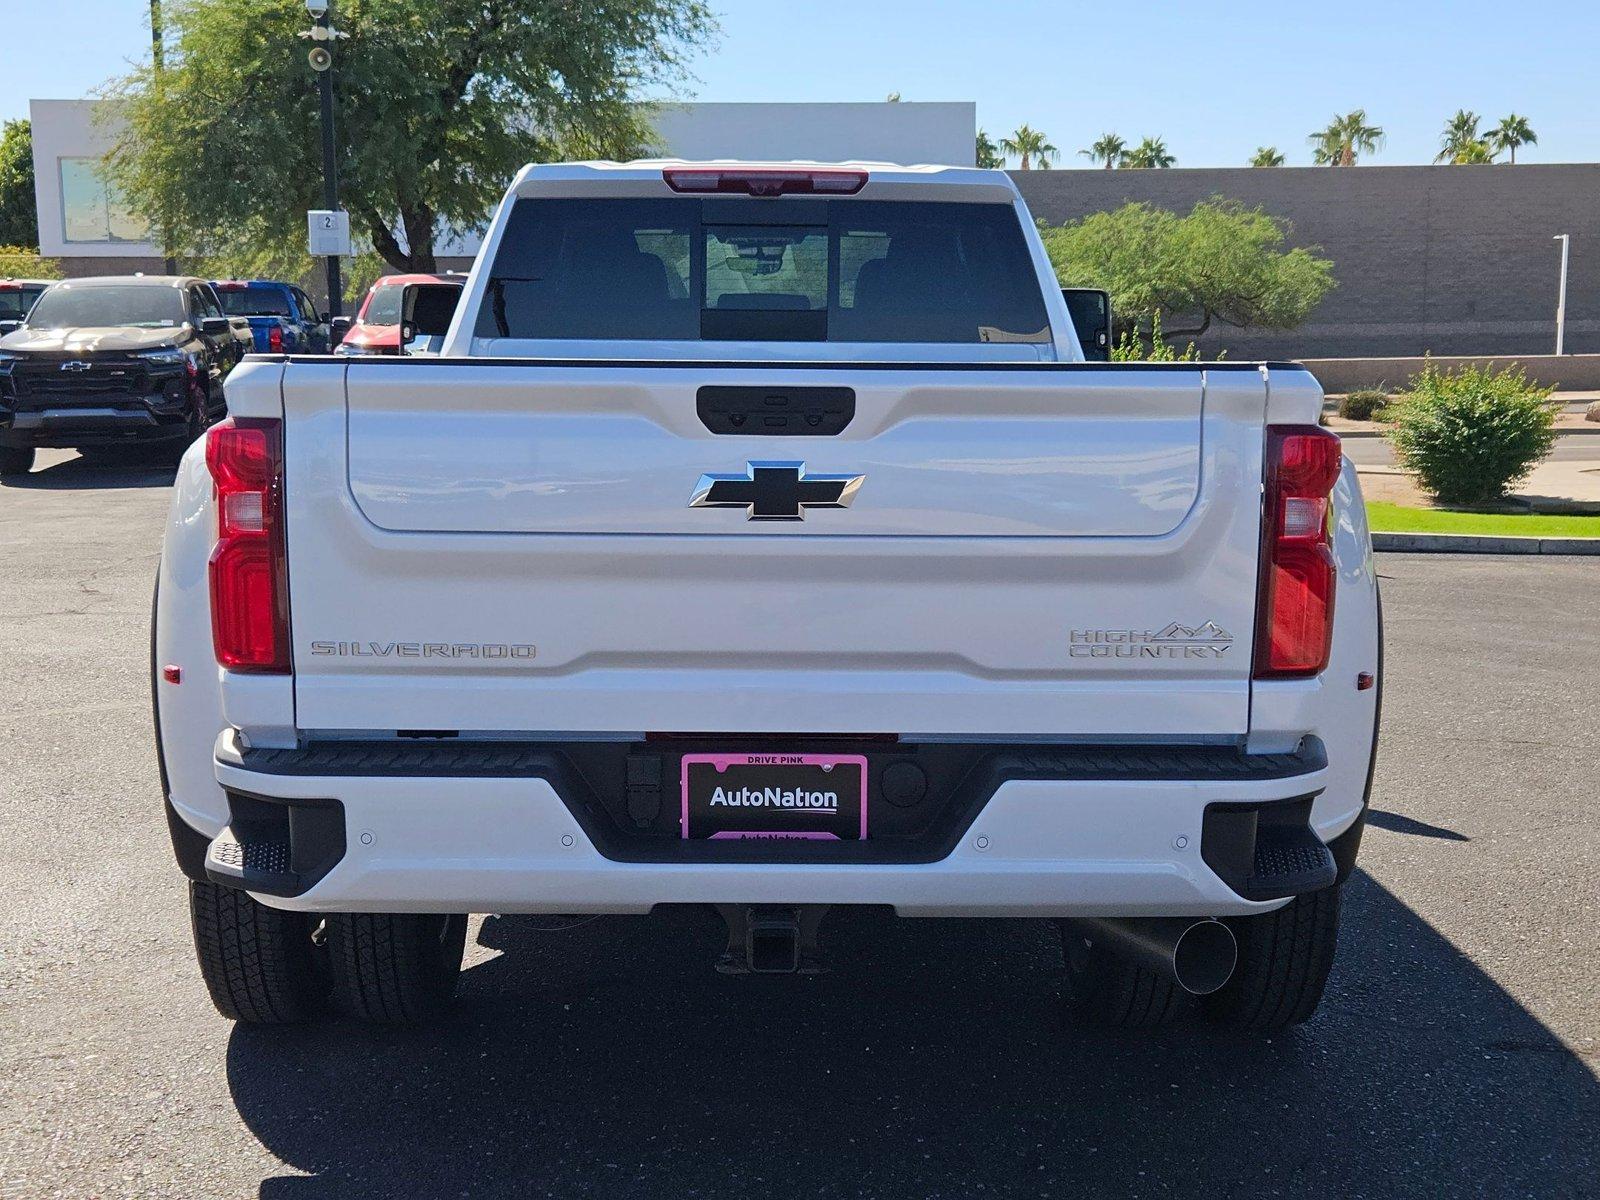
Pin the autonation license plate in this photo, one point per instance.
(820, 796)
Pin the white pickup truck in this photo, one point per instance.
(761, 539)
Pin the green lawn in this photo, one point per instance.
(1396, 518)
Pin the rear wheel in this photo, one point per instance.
(261, 965)
(1284, 959)
(395, 968)
(1110, 990)
(16, 460)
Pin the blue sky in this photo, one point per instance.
(1215, 79)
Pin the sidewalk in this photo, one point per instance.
(1568, 421)
(1554, 487)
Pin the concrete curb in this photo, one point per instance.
(1481, 543)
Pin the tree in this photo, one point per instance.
(1029, 144)
(19, 214)
(1345, 139)
(989, 156)
(1266, 156)
(1106, 150)
(1222, 263)
(1513, 131)
(1151, 152)
(436, 112)
(1474, 154)
(1460, 133)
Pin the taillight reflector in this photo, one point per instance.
(275, 339)
(766, 183)
(249, 571)
(1294, 618)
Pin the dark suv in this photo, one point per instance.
(110, 361)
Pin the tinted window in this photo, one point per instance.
(66, 306)
(756, 270)
(255, 302)
(383, 306)
(205, 302)
(15, 302)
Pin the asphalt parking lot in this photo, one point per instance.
(1457, 1053)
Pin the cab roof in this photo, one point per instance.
(645, 176)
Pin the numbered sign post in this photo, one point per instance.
(330, 233)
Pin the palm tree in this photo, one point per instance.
(1344, 139)
(988, 153)
(1108, 150)
(1152, 152)
(1513, 131)
(1474, 154)
(1028, 144)
(1460, 131)
(1266, 156)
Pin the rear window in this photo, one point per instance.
(720, 269)
(255, 302)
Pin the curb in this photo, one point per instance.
(1483, 543)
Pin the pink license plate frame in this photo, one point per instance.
(773, 763)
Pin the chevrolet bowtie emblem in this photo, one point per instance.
(775, 491)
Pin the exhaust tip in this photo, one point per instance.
(1204, 957)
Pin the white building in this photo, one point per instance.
(83, 223)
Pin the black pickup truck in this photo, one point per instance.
(115, 360)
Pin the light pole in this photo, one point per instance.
(322, 64)
(1561, 301)
(158, 61)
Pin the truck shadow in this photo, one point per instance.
(607, 1058)
(112, 467)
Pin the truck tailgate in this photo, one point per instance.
(1060, 550)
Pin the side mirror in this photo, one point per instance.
(215, 325)
(337, 328)
(426, 310)
(1090, 310)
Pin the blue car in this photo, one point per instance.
(283, 320)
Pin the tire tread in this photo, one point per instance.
(257, 962)
(388, 968)
(1284, 960)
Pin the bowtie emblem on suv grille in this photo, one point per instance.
(775, 491)
(76, 364)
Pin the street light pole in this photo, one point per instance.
(158, 60)
(1561, 302)
(330, 167)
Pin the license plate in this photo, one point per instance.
(822, 797)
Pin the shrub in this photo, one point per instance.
(24, 262)
(1364, 404)
(1130, 347)
(1469, 434)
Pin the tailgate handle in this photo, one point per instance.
(776, 411)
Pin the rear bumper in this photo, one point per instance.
(422, 842)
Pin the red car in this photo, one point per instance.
(376, 328)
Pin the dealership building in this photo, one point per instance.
(1440, 259)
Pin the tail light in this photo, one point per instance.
(249, 570)
(766, 183)
(1294, 617)
(275, 339)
